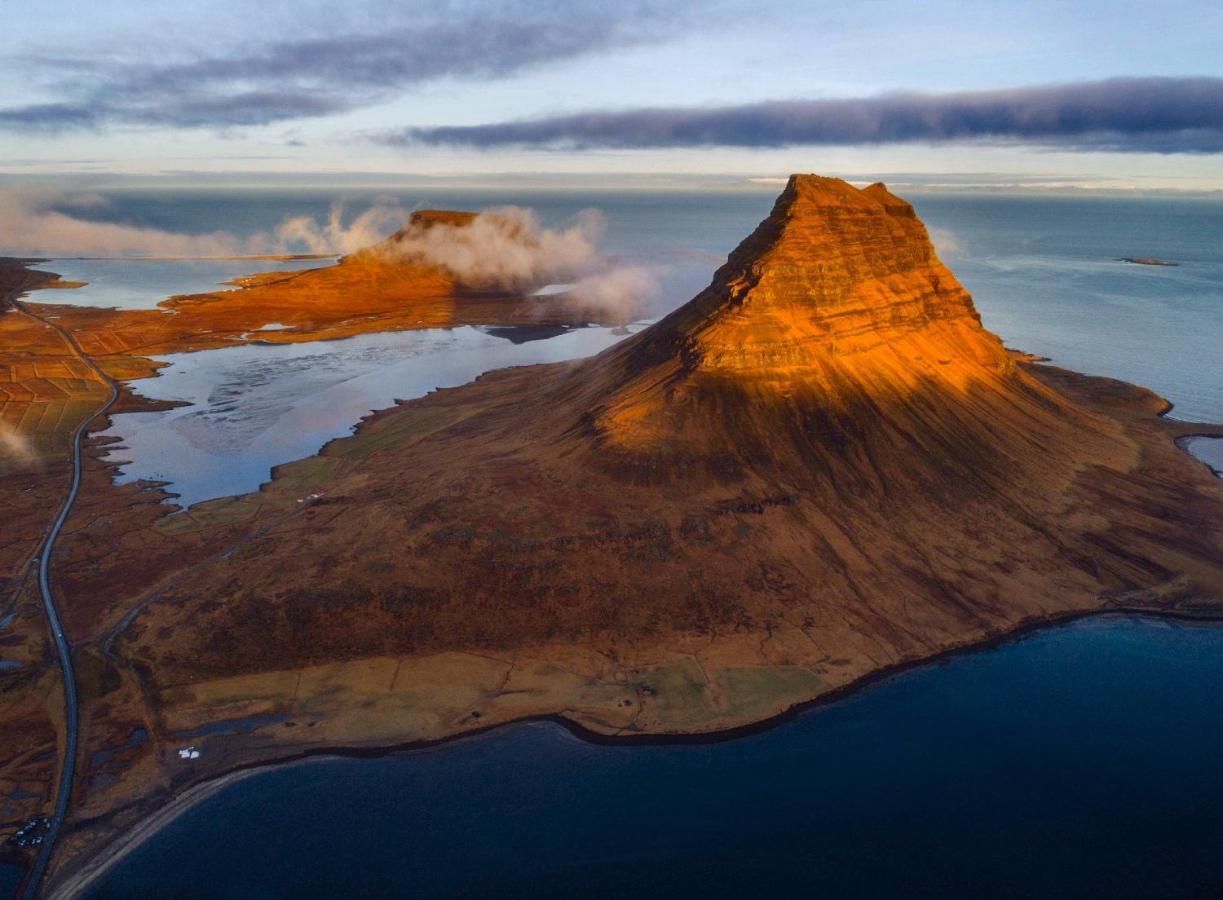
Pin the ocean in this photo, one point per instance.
(1076, 761)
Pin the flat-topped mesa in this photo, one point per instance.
(461, 246)
(420, 221)
(836, 307)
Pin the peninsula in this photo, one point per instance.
(821, 468)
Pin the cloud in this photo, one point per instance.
(506, 248)
(945, 242)
(618, 294)
(36, 223)
(297, 234)
(15, 446)
(49, 117)
(1162, 115)
(47, 222)
(290, 79)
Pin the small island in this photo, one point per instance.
(1148, 261)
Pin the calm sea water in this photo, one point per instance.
(1076, 762)
(142, 284)
(1046, 277)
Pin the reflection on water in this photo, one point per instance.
(258, 405)
(143, 283)
(1077, 762)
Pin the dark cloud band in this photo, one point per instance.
(1164, 115)
(282, 80)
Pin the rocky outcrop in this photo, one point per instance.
(833, 339)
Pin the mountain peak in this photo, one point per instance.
(833, 271)
(837, 301)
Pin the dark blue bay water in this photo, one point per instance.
(1079, 761)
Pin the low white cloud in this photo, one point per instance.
(505, 248)
(15, 446)
(617, 294)
(46, 222)
(945, 242)
(334, 235)
(33, 223)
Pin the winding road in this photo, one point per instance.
(68, 762)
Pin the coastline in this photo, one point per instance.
(103, 862)
(1182, 440)
(125, 843)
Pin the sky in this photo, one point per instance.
(1088, 94)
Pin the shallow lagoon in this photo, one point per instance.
(1075, 762)
(144, 283)
(1209, 450)
(258, 405)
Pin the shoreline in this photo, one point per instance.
(175, 804)
(1182, 440)
(127, 842)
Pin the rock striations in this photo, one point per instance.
(834, 328)
(824, 443)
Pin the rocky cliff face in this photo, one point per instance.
(832, 274)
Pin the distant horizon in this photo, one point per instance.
(984, 183)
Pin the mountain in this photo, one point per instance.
(825, 444)
(821, 468)
(833, 338)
